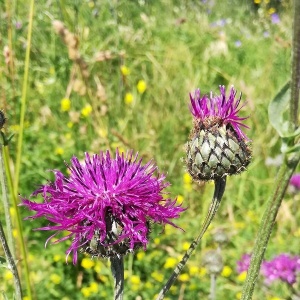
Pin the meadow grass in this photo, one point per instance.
(174, 47)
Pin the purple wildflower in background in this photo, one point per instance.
(106, 204)
(275, 18)
(295, 181)
(244, 263)
(284, 267)
(238, 43)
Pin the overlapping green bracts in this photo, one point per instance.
(217, 147)
(215, 153)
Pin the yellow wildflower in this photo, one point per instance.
(103, 278)
(226, 272)
(8, 275)
(156, 241)
(59, 151)
(184, 277)
(157, 276)
(140, 255)
(12, 211)
(271, 10)
(124, 70)
(94, 287)
(141, 86)
(257, 1)
(170, 263)
(185, 246)
(202, 272)
(70, 124)
(193, 270)
(56, 279)
(238, 295)
(180, 198)
(65, 104)
(15, 233)
(134, 279)
(26, 298)
(187, 178)
(128, 99)
(57, 257)
(87, 263)
(242, 276)
(86, 111)
(86, 292)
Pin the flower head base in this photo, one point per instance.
(217, 146)
(106, 204)
(283, 267)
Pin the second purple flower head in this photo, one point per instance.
(217, 146)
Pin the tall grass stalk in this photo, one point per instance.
(19, 150)
(284, 174)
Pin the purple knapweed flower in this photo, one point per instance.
(243, 264)
(217, 145)
(284, 267)
(106, 204)
(295, 181)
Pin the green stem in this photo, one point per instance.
(285, 172)
(213, 285)
(11, 265)
(6, 204)
(266, 226)
(220, 185)
(19, 150)
(294, 103)
(117, 269)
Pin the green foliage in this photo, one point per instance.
(174, 47)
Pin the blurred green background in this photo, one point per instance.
(117, 74)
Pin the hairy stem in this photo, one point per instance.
(11, 265)
(220, 185)
(213, 284)
(284, 174)
(117, 269)
(266, 226)
(295, 83)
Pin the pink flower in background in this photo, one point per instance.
(295, 181)
(284, 267)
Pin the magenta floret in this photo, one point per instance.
(220, 107)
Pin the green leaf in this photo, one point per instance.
(278, 109)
